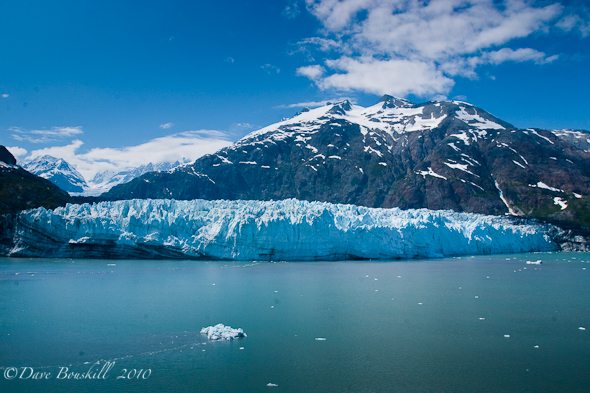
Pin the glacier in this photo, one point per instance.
(288, 229)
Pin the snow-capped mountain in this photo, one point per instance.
(105, 180)
(20, 189)
(437, 155)
(266, 230)
(58, 171)
(66, 177)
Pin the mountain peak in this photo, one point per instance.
(394, 102)
(58, 171)
(340, 108)
(6, 156)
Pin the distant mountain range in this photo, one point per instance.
(66, 177)
(436, 155)
(104, 181)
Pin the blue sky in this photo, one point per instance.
(116, 73)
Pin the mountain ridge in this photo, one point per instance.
(63, 174)
(436, 155)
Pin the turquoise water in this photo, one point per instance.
(405, 326)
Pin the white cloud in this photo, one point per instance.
(577, 22)
(398, 77)
(17, 152)
(323, 44)
(517, 55)
(292, 9)
(44, 135)
(166, 126)
(337, 14)
(184, 145)
(312, 72)
(426, 41)
(270, 69)
(243, 125)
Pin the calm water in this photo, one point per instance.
(388, 327)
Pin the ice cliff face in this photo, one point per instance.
(266, 230)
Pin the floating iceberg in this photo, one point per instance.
(266, 230)
(222, 332)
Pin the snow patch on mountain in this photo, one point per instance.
(544, 186)
(432, 173)
(579, 138)
(391, 115)
(559, 201)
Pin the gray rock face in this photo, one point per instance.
(436, 155)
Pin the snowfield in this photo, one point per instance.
(266, 230)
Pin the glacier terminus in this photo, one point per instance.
(290, 230)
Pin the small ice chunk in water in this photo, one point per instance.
(536, 347)
(507, 336)
(537, 262)
(482, 319)
(582, 328)
(272, 385)
(222, 332)
(320, 338)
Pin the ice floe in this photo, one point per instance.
(222, 332)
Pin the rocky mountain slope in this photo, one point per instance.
(436, 155)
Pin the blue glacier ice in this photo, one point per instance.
(266, 230)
